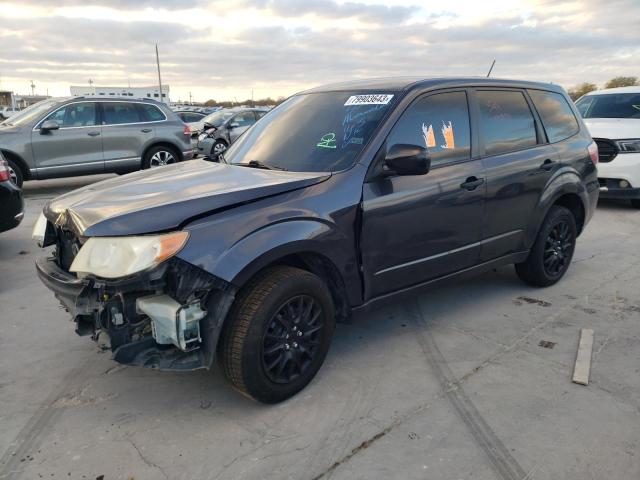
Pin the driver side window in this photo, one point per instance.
(244, 119)
(438, 122)
(75, 115)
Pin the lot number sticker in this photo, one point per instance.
(372, 99)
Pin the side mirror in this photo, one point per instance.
(233, 125)
(408, 159)
(48, 126)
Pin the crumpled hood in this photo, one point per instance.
(613, 128)
(164, 198)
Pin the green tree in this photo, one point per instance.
(579, 90)
(622, 82)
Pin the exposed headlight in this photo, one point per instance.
(39, 230)
(629, 146)
(114, 257)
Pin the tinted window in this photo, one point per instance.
(438, 122)
(556, 114)
(314, 132)
(151, 113)
(506, 122)
(191, 117)
(75, 115)
(611, 105)
(244, 119)
(117, 113)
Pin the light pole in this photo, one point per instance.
(159, 77)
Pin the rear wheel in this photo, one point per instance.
(552, 251)
(160, 156)
(277, 334)
(635, 203)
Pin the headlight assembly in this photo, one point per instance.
(629, 146)
(114, 257)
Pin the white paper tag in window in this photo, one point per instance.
(369, 99)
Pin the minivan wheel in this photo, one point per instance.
(277, 334)
(160, 156)
(15, 173)
(552, 251)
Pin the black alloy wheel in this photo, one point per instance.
(558, 248)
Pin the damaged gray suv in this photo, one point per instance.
(340, 199)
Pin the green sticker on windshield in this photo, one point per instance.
(328, 140)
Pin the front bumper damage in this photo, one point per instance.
(168, 318)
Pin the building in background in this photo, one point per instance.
(133, 92)
(10, 99)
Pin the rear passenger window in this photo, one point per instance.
(556, 114)
(151, 113)
(506, 122)
(116, 113)
(438, 122)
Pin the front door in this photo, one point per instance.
(75, 148)
(421, 227)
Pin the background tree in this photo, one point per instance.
(579, 90)
(622, 82)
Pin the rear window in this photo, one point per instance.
(151, 113)
(557, 117)
(611, 105)
(506, 122)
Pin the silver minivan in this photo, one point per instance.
(87, 135)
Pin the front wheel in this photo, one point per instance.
(15, 173)
(552, 251)
(277, 334)
(218, 149)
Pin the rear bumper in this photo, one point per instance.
(12, 211)
(188, 154)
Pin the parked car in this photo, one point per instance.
(6, 112)
(83, 135)
(342, 198)
(223, 127)
(193, 119)
(11, 203)
(613, 118)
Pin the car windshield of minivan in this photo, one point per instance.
(315, 132)
(30, 113)
(612, 105)
(218, 118)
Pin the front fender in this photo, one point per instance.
(260, 248)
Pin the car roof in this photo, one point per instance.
(610, 91)
(411, 83)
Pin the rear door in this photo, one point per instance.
(125, 132)
(240, 123)
(518, 161)
(421, 227)
(75, 148)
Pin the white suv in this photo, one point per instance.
(613, 118)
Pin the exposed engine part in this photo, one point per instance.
(172, 323)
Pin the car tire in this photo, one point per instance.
(277, 334)
(217, 149)
(159, 156)
(16, 173)
(635, 203)
(552, 251)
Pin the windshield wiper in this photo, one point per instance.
(259, 164)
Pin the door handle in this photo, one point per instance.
(145, 130)
(93, 134)
(548, 165)
(472, 183)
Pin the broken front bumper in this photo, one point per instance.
(168, 318)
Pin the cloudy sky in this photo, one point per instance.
(225, 48)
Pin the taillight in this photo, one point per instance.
(4, 171)
(186, 130)
(593, 152)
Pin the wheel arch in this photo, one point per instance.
(162, 143)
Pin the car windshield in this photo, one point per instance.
(315, 132)
(30, 114)
(218, 118)
(612, 105)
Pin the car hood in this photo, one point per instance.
(165, 198)
(613, 128)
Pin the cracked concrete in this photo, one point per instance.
(492, 405)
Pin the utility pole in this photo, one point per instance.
(33, 88)
(91, 86)
(159, 77)
(190, 102)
